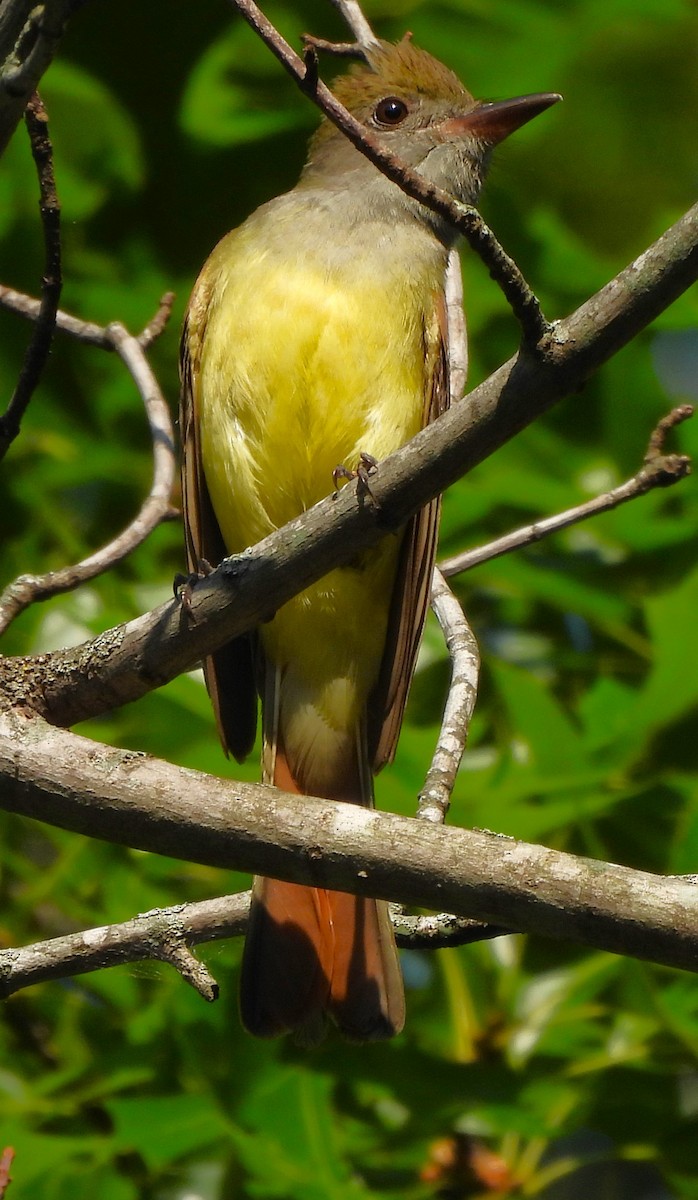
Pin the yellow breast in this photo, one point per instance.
(304, 366)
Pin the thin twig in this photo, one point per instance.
(457, 330)
(164, 934)
(462, 217)
(28, 589)
(339, 49)
(440, 931)
(156, 325)
(83, 331)
(435, 797)
(658, 470)
(30, 34)
(38, 350)
(355, 19)
(87, 332)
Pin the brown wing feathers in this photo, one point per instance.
(230, 672)
(410, 600)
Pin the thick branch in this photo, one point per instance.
(134, 658)
(134, 800)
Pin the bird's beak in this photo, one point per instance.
(492, 123)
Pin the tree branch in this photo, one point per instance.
(355, 19)
(30, 34)
(134, 658)
(658, 470)
(165, 934)
(37, 352)
(28, 589)
(435, 796)
(55, 776)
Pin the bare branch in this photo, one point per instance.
(28, 589)
(658, 470)
(462, 217)
(356, 21)
(156, 325)
(28, 307)
(439, 931)
(339, 49)
(164, 934)
(435, 797)
(457, 331)
(30, 34)
(54, 776)
(37, 352)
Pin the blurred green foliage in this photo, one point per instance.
(577, 1071)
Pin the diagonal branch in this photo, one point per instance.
(658, 470)
(355, 19)
(145, 653)
(462, 217)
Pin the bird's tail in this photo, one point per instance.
(312, 954)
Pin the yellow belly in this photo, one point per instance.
(301, 371)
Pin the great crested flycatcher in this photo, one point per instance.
(316, 333)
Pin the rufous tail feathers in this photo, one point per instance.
(312, 954)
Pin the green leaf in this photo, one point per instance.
(164, 1128)
(296, 1151)
(232, 95)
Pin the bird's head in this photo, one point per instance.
(420, 110)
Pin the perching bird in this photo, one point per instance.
(315, 334)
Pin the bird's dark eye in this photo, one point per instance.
(390, 111)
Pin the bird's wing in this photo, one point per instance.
(410, 600)
(230, 672)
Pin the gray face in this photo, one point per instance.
(426, 139)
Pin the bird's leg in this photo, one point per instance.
(183, 585)
(367, 463)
